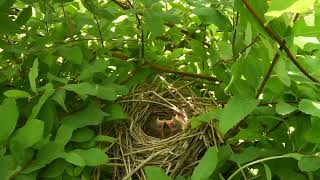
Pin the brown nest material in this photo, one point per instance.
(176, 154)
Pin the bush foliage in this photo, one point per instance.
(64, 64)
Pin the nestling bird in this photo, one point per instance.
(163, 128)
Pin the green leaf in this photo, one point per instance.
(92, 115)
(310, 107)
(313, 134)
(154, 173)
(211, 16)
(28, 135)
(33, 74)
(74, 158)
(279, 7)
(100, 65)
(82, 135)
(116, 112)
(207, 165)
(105, 138)
(225, 50)
(82, 88)
(8, 167)
(24, 16)
(305, 42)
(10, 27)
(282, 72)
(251, 153)
(16, 94)
(104, 92)
(47, 93)
(60, 96)
(268, 171)
(206, 117)
(64, 134)
(54, 169)
(92, 157)
(9, 116)
(72, 54)
(46, 155)
(49, 116)
(154, 22)
(89, 5)
(309, 163)
(283, 108)
(236, 109)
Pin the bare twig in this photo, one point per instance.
(45, 15)
(268, 74)
(97, 22)
(235, 29)
(279, 40)
(165, 69)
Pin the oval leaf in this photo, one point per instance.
(236, 109)
(207, 165)
(155, 173)
(9, 116)
(310, 107)
(16, 94)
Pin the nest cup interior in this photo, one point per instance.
(138, 146)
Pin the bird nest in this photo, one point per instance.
(139, 144)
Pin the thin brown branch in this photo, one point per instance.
(45, 16)
(180, 73)
(268, 74)
(279, 40)
(122, 5)
(97, 22)
(245, 48)
(165, 69)
(239, 53)
(235, 24)
(140, 29)
(126, 7)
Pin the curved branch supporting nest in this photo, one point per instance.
(139, 144)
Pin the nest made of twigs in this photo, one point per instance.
(176, 155)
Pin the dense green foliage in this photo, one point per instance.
(64, 63)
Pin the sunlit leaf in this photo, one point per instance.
(28, 135)
(33, 74)
(46, 155)
(72, 54)
(212, 16)
(91, 115)
(154, 22)
(47, 93)
(9, 116)
(283, 108)
(278, 7)
(59, 96)
(92, 157)
(16, 94)
(207, 165)
(309, 163)
(310, 107)
(236, 109)
(154, 173)
(24, 16)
